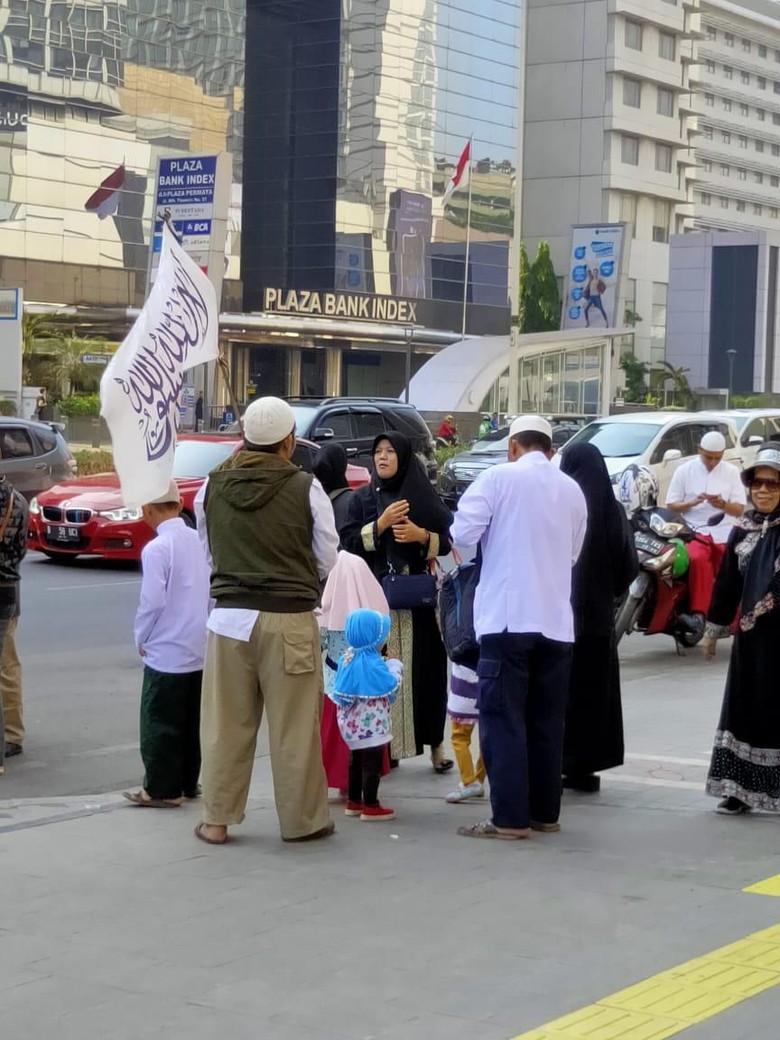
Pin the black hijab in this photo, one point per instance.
(330, 467)
(410, 482)
(608, 562)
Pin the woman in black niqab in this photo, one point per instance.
(398, 523)
(606, 567)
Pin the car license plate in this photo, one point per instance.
(60, 533)
(646, 543)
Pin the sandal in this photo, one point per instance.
(137, 798)
(440, 763)
(204, 837)
(487, 829)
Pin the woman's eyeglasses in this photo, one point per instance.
(769, 483)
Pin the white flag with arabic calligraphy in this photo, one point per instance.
(141, 389)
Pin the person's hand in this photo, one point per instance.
(394, 514)
(141, 652)
(718, 501)
(710, 645)
(698, 500)
(407, 531)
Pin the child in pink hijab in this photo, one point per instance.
(350, 586)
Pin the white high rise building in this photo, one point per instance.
(737, 105)
(608, 120)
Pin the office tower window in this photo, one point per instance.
(773, 213)
(776, 87)
(746, 78)
(706, 198)
(633, 35)
(742, 174)
(663, 158)
(760, 115)
(712, 34)
(667, 46)
(758, 178)
(724, 202)
(774, 180)
(757, 210)
(740, 206)
(762, 51)
(709, 100)
(725, 137)
(665, 103)
(777, 56)
(759, 146)
(729, 39)
(711, 68)
(706, 165)
(632, 92)
(776, 119)
(744, 110)
(629, 150)
(628, 208)
(662, 214)
(726, 105)
(706, 132)
(742, 141)
(776, 149)
(728, 72)
(761, 81)
(746, 45)
(724, 170)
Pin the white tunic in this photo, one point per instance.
(693, 479)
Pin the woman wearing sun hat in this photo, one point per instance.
(745, 768)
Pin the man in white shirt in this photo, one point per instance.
(698, 489)
(529, 520)
(170, 633)
(272, 541)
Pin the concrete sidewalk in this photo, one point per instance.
(118, 924)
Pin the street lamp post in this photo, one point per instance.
(731, 354)
(408, 337)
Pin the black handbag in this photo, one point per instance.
(409, 591)
(456, 612)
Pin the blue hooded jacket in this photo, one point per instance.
(362, 671)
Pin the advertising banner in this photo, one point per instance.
(142, 389)
(593, 279)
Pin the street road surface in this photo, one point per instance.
(82, 681)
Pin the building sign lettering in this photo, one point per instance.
(340, 305)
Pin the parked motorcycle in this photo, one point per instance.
(658, 600)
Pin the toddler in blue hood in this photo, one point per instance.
(363, 691)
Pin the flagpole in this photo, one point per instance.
(468, 241)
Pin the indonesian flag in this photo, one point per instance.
(105, 201)
(460, 177)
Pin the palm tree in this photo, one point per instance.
(40, 332)
(68, 366)
(683, 395)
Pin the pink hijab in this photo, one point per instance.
(350, 586)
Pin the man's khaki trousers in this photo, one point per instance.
(11, 687)
(278, 669)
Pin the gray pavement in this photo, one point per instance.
(120, 924)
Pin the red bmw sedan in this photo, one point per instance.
(87, 517)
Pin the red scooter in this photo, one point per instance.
(658, 599)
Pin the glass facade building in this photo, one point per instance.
(357, 113)
(89, 89)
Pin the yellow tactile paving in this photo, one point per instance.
(674, 1000)
(769, 887)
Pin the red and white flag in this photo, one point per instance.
(460, 177)
(105, 201)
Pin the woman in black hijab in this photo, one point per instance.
(593, 738)
(330, 468)
(399, 523)
(745, 767)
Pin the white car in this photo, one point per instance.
(754, 426)
(660, 440)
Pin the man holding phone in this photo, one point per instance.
(699, 489)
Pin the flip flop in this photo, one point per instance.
(137, 798)
(487, 829)
(209, 841)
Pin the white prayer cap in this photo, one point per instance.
(169, 497)
(268, 420)
(713, 441)
(530, 424)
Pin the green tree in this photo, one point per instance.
(524, 270)
(68, 367)
(40, 334)
(540, 302)
(636, 373)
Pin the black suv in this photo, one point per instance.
(356, 421)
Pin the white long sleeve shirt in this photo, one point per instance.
(170, 624)
(237, 623)
(530, 520)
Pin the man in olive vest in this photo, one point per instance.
(273, 541)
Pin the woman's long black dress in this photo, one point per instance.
(746, 754)
(420, 710)
(593, 738)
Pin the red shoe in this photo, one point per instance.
(377, 812)
(354, 809)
